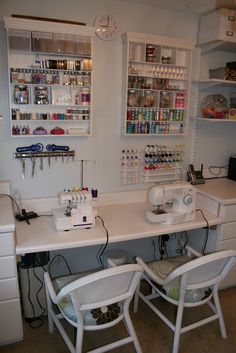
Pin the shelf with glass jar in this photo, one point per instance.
(51, 104)
(156, 112)
(50, 77)
(156, 81)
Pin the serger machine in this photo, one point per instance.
(173, 203)
(76, 211)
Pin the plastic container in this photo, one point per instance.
(117, 256)
(214, 106)
(21, 94)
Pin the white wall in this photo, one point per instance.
(105, 145)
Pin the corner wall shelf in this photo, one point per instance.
(216, 120)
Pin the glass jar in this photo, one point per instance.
(148, 99)
(85, 96)
(151, 53)
(165, 99)
(21, 94)
(133, 98)
(166, 59)
(41, 95)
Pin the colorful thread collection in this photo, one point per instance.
(155, 163)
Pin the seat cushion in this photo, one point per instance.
(163, 268)
(98, 316)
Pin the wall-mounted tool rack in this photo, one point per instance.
(34, 156)
(45, 154)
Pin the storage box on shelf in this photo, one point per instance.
(218, 29)
(50, 77)
(156, 84)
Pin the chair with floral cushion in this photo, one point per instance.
(93, 302)
(186, 281)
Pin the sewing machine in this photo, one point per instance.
(76, 211)
(173, 203)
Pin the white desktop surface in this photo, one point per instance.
(124, 221)
(222, 190)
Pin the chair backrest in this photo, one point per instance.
(104, 287)
(206, 270)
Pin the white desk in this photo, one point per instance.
(124, 221)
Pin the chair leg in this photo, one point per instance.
(178, 324)
(136, 298)
(219, 312)
(79, 339)
(130, 328)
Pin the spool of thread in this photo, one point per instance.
(94, 193)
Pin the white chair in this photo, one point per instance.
(190, 283)
(94, 302)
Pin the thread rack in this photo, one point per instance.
(152, 164)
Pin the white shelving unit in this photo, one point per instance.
(206, 86)
(156, 85)
(50, 78)
(217, 42)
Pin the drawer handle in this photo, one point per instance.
(231, 18)
(229, 33)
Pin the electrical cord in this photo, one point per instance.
(13, 202)
(216, 167)
(38, 291)
(162, 240)
(207, 231)
(64, 259)
(154, 249)
(104, 246)
(35, 322)
(186, 241)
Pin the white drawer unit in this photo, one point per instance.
(228, 213)
(7, 267)
(219, 198)
(9, 289)
(6, 244)
(10, 307)
(218, 25)
(228, 231)
(11, 326)
(228, 244)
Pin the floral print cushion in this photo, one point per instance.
(98, 316)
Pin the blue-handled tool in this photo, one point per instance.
(57, 148)
(38, 147)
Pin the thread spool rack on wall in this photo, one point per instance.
(154, 163)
